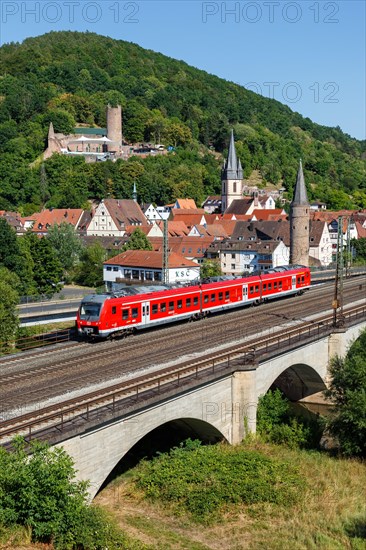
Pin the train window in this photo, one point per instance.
(205, 299)
(269, 286)
(171, 306)
(179, 304)
(154, 309)
(257, 288)
(163, 307)
(227, 295)
(221, 295)
(264, 287)
(275, 284)
(114, 310)
(124, 314)
(302, 279)
(298, 280)
(213, 297)
(188, 302)
(135, 312)
(279, 284)
(195, 301)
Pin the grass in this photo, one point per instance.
(330, 513)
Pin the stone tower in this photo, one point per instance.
(231, 177)
(114, 128)
(299, 222)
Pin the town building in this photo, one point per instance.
(238, 257)
(112, 217)
(145, 266)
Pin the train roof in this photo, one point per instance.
(177, 289)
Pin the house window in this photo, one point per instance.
(109, 268)
(189, 250)
(135, 312)
(127, 273)
(232, 266)
(115, 269)
(234, 187)
(135, 274)
(233, 256)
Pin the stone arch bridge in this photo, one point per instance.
(220, 406)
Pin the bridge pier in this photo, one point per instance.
(244, 404)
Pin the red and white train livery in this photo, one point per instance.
(106, 315)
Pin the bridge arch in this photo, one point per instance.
(97, 451)
(162, 439)
(298, 381)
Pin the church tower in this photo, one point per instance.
(231, 177)
(299, 222)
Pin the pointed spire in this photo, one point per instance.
(51, 131)
(240, 170)
(232, 167)
(300, 194)
(134, 192)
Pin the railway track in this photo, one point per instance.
(32, 380)
(60, 418)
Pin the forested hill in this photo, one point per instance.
(69, 77)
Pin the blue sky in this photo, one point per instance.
(307, 54)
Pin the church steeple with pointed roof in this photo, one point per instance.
(231, 176)
(299, 222)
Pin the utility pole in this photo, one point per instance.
(348, 249)
(338, 319)
(165, 254)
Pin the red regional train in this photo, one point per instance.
(134, 308)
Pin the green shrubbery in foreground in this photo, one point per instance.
(38, 492)
(204, 481)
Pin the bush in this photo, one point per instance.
(278, 423)
(204, 481)
(38, 492)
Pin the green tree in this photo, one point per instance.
(348, 391)
(66, 243)
(13, 258)
(9, 299)
(90, 270)
(210, 268)
(137, 241)
(47, 270)
(359, 246)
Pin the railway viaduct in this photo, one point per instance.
(214, 408)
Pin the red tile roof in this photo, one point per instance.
(147, 258)
(53, 216)
(186, 204)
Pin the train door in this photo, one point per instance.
(293, 282)
(145, 313)
(245, 293)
